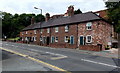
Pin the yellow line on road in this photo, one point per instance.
(55, 67)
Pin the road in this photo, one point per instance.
(65, 59)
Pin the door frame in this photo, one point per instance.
(80, 41)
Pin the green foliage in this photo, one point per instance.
(77, 11)
(114, 14)
(13, 24)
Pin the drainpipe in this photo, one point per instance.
(77, 38)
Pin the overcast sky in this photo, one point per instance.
(51, 6)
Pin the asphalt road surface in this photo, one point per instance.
(70, 60)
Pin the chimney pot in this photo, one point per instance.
(47, 17)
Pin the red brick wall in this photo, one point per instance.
(100, 32)
(61, 35)
(100, 35)
(90, 47)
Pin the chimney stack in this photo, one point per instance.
(32, 20)
(47, 17)
(70, 10)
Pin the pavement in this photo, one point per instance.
(66, 59)
(112, 53)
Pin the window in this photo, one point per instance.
(35, 32)
(32, 39)
(71, 40)
(56, 29)
(66, 28)
(22, 33)
(88, 39)
(44, 40)
(26, 39)
(66, 39)
(98, 14)
(56, 39)
(40, 38)
(35, 38)
(52, 39)
(89, 26)
(48, 30)
(22, 39)
(26, 32)
(41, 30)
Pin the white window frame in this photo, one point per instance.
(35, 38)
(22, 39)
(98, 14)
(41, 30)
(26, 38)
(26, 32)
(56, 39)
(66, 39)
(87, 25)
(35, 32)
(52, 39)
(22, 33)
(48, 30)
(44, 40)
(56, 29)
(41, 38)
(70, 39)
(32, 38)
(66, 28)
(87, 39)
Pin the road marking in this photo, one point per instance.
(12, 45)
(37, 60)
(56, 58)
(100, 63)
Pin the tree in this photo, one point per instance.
(39, 18)
(114, 14)
(77, 11)
(13, 24)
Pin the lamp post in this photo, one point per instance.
(38, 9)
(40, 23)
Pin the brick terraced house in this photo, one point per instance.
(86, 31)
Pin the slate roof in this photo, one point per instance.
(65, 20)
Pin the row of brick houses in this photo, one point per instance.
(86, 31)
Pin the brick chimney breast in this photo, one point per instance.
(70, 10)
(47, 17)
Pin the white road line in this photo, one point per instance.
(56, 54)
(12, 45)
(100, 63)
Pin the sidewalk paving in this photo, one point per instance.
(112, 53)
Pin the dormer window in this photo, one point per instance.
(89, 25)
(66, 28)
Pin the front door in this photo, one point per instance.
(81, 40)
(48, 40)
